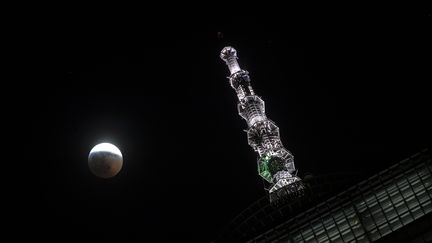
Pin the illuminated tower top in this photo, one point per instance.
(275, 163)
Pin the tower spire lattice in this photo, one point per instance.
(275, 162)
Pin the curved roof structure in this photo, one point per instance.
(263, 215)
(369, 210)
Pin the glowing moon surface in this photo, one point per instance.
(105, 160)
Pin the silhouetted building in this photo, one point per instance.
(394, 205)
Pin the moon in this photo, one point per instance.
(105, 160)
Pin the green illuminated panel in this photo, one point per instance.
(263, 168)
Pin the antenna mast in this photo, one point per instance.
(275, 162)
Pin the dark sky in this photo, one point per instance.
(348, 88)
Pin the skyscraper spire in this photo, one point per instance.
(275, 163)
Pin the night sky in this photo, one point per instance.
(349, 90)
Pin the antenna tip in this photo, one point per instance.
(227, 52)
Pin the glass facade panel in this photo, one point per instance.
(390, 212)
(322, 238)
(367, 222)
(395, 224)
(333, 232)
(401, 208)
(396, 198)
(428, 183)
(384, 229)
(380, 218)
(427, 207)
(381, 194)
(374, 235)
(348, 236)
(406, 191)
(412, 202)
(423, 196)
(385, 201)
(412, 176)
(392, 190)
(310, 238)
(417, 186)
(308, 234)
(406, 218)
(417, 212)
(379, 214)
(423, 173)
(358, 230)
(402, 182)
(361, 239)
(297, 237)
(373, 212)
(343, 226)
(336, 238)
